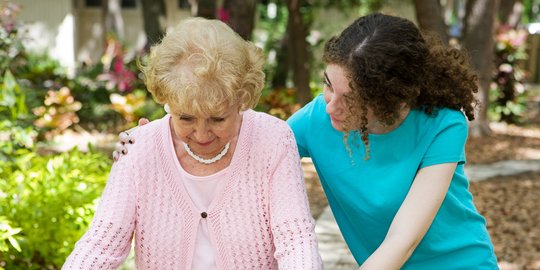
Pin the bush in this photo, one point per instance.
(52, 200)
(46, 202)
(507, 97)
(7, 236)
(12, 53)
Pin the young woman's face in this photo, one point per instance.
(336, 87)
(206, 136)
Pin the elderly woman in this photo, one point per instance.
(387, 138)
(213, 184)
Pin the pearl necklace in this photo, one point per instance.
(210, 160)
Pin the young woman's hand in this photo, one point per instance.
(125, 138)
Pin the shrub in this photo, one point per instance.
(52, 200)
(507, 93)
(46, 202)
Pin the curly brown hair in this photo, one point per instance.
(390, 63)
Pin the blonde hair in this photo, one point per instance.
(203, 67)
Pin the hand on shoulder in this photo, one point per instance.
(125, 138)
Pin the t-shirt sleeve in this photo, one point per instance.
(448, 145)
(299, 123)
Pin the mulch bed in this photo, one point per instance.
(510, 204)
(508, 142)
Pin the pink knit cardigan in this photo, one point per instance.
(260, 219)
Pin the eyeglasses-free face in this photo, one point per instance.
(206, 136)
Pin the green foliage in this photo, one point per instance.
(16, 137)
(531, 11)
(52, 200)
(95, 112)
(42, 71)
(113, 91)
(54, 98)
(7, 236)
(12, 101)
(12, 51)
(280, 103)
(346, 6)
(46, 202)
(15, 140)
(322, 19)
(507, 94)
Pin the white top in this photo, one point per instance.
(202, 190)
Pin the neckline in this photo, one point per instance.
(180, 171)
(403, 123)
(206, 177)
(395, 130)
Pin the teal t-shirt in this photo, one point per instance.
(365, 195)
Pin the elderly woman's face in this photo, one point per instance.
(206, 136)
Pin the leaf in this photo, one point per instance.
(11, 96)
(8, 97)
(14, 231)
(14, 243)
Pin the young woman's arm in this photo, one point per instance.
(413, 218)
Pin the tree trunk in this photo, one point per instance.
(281, 71)
(112, 18)
(429, 15)
(153, 12)
(479, 30)
(299, 49)
(203, 8)
(241, 16)
(510, 12)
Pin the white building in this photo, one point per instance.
(71, 30)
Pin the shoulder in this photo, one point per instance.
(452, 118)
(269, 135)
(151, 129)
(442, 118)
(147, 136)
(266, 136)
(447, 114)
(445, 124)
(264, 123)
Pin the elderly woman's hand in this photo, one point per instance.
(125, 138)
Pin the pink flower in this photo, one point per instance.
(223, 15)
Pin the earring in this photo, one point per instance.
(167, 108)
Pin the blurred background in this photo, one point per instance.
(69, 83)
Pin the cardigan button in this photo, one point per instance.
(204, 214)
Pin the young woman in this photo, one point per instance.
(388, 141)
